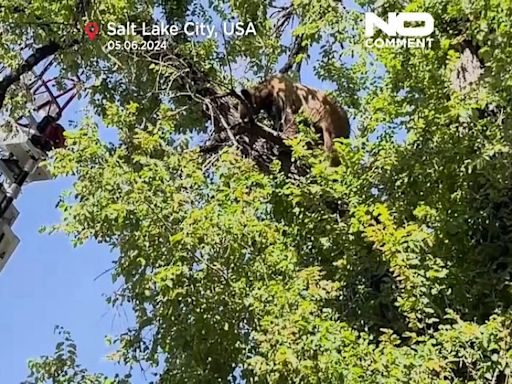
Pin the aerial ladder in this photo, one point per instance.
(26, 141)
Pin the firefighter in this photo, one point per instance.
(50, 134)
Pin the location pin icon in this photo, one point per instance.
(91, 29)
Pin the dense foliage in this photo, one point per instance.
(393, 267)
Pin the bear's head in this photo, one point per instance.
(256, 99)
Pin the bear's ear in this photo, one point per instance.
(247, 95)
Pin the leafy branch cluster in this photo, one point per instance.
(393, 267)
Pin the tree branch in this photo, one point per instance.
(30, 62)
(219, 104)
(296, 50)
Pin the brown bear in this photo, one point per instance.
(282, 99)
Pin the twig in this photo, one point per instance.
(228, 61)
(103, 273)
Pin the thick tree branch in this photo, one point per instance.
(30, 62)
(296, 50)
